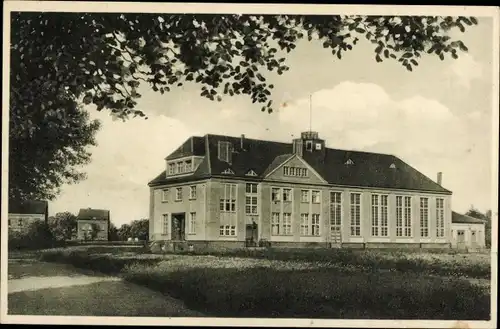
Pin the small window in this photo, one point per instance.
(178, 194)
(318, 146)
(287, 195)
(304, 196)
(228, 171)
(192, 192)
(392, 166)
(315, 197)
(349, 162)
(309, 145)
(164, 195)
(275, 194)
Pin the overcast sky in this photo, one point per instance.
(436, 118)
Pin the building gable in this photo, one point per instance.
(295, 169)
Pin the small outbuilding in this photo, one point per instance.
(467, 233)
(93, 224)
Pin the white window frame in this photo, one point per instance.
(287, 194)
(317, 194)
(440, 224)
(304, 224)
(178, 194)
(305, 196)
(192, 192)
(275, 223)
(164, 195)
(251, 203)
(335, 208)
(379, 215)
(355, 223)
(275, 197)
(424, 217)
(228, 200)
(192, 223)
(165, 224)
(403, 216)
(315, 224)
(227, 230)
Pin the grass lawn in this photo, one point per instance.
(330, 284)
(97, 299)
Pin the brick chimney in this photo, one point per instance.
(242, 142)
(440, 178)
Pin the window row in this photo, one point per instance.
(178, 194)
(190, 223)
(281, 224)
(294, 171)
(180, 167)
(285, 195)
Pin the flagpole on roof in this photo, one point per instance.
(310, 112)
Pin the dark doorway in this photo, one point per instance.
(179, 227)
(251, 235)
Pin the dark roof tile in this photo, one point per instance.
(464, 219)
(28, 207)
(89, 213)
(368, 169)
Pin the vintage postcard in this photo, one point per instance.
(249, 164)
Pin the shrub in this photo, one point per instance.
(36, 236)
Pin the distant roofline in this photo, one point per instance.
(284, 143)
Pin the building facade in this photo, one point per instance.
(221, 191)
(93, 224)
(23, 214)
(467, 233)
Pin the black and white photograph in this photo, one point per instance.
(249, 164)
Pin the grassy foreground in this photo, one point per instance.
(266, 287)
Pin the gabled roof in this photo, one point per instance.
(464, 219)
(89, 213)
(28, 207)
(368, 169)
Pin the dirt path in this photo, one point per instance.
(37, 288)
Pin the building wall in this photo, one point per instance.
(102, 234)
(160, 207)
(21, 222)
(468, 229)
(210, 218)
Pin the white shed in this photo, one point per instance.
(467, 233)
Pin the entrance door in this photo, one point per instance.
(461, 239)
(179, 227)
(473, 239)
(251, 235)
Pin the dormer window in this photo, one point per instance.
(349, 162)
(392, 166)
(225, 150)
(318, 146)
(251, 173)
(228, 171)
(180, 166)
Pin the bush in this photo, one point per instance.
(265, 292)
(36, 236)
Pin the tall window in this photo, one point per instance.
(178, 194)
(251, 188)
(281, 225)
(228, 199)
(188, 166)
(355, 214)
(304, 196)
(192, 192)
(424, 217)
(403, 216)
(315, 225)
(440, 217)
(304, 224)
(315, 197)
(164, 195)
(335, 208)
(171, 168)
(165, 224)
(287, 195)
(384, 219)
(287, 223)
(227, 230)
(275, 194)
(379, 215)
(192, 223)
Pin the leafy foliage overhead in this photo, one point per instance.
(60, 61)
(102, 58)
